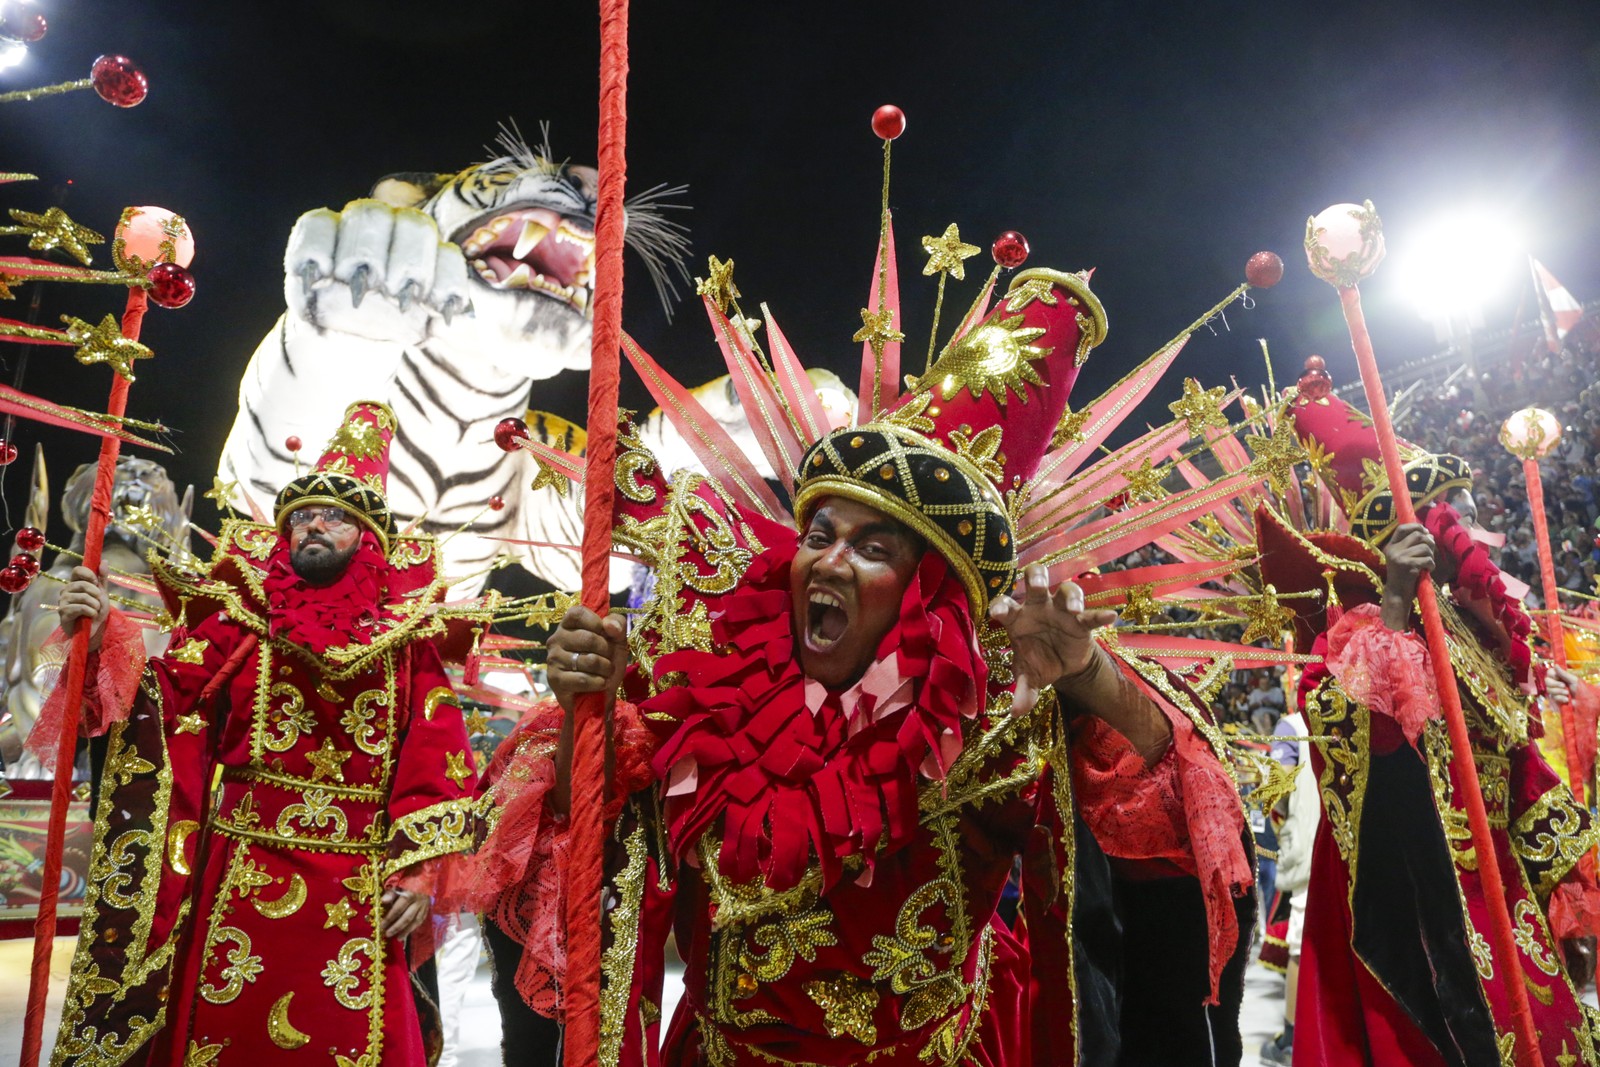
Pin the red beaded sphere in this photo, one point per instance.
(292, 443)
(1264, 270)
(14, 579)
(30, 539)
(22, 23)
(27, 564)
(171, 286)
(1010, 249)
(888, 122)
(1315, 362)
(497, 503)
(119, 81)
(507, 432)
(8, 453)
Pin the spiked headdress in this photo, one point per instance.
(1343, 449)
(352, 473)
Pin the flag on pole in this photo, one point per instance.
(1558, 308)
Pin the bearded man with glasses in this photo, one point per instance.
(280, 789)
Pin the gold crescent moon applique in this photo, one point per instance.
(285, 905)
(280, 1029)
(177, 836)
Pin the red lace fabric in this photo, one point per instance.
(1575, 905)
(1184, 810)
(517, 878)
(789, 770)
(1387, 670)
(111, 678)
(317, 617)
(1586, 717)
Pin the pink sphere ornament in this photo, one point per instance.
(8, 453)
(1010, 249)
(1263, 270)
(293, 443)
(1531, 433)
(14, 579)
(26, 564)
(30, 539)
(171, 286)
(497, 503)
(149, 235)
(508, 432)
(888, 122)
(22, 22)
(119, 81)
(1344, 244)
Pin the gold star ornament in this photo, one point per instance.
(105, 344)
(1201, 408)
(877, 329)
(1266, 617)
(477, 722)
(718, 285)
(327, 761)
(1144, 481)
(455, 768)
(947, 253)
(53, 230)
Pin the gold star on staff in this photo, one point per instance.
(105, 344)
(719, 284)
(1070, 428)
(1145, 480)
(1277, 454)
(946, 253)
(1266, 616)
(877, 329)
(548, 477)
(339, 914)
(1141, 608)
(455, 768)
(221, 492)
(477, 722)
(52, 230)
(1201, 408)
(327, 761)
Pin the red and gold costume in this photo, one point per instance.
(832, 862)
(296, 752)
(1396, 964)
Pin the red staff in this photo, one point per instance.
(582, 1037)
(1344, 245)
(144, 235)
(1531, 434)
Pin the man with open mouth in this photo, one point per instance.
(835, 739)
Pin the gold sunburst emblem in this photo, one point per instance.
(997, 357)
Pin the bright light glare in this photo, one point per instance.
(12, 53)
(1450, 268)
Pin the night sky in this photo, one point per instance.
(1159, 143)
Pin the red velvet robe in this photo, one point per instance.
(255, 805)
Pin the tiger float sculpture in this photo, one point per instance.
(460, 291)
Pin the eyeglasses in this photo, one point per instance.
(331, 517)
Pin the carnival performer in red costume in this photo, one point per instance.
(1396, 967)
(262, 919)
(835, 737)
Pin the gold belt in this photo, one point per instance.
(292, 813)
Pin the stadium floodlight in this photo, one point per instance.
(1451, 267)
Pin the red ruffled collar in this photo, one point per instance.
(316, 618)
(791, 770)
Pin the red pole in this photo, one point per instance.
(581, 1040)
(1554, 632)
(44, 927)
(1505, 946)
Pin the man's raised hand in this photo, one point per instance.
(1052, 634)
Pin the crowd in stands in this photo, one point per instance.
(1465, 419)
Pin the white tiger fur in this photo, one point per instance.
(382, 303)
